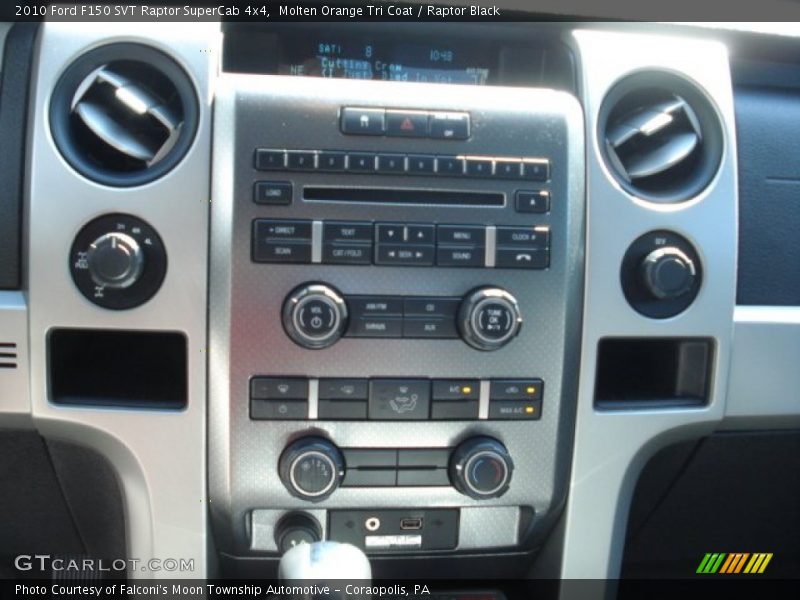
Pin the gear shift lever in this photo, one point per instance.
(322, 563)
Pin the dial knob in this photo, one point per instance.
(668, 273)
(311, 468)
(315, 315)
(115, 260)
(489, 318)
(295, 529)
(481, 468)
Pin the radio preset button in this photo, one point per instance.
(269, 160)
(449, 166)
(331, 161)
(536, 170)
(391, 163)
(361, 161)
(479, 167)
(420, 164)
(301, 160)
(508, 168)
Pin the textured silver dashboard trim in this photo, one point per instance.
(765, 379)
(158, 456)
(497, 527)
(243, 295)
(611, 448)
(15, 397)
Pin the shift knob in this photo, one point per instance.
(321, 564)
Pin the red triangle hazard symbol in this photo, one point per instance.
(407, 125)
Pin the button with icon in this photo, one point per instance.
(363, 121)
(406, 123)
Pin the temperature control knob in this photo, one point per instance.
(311, 468)
(668, 273)
(115, 260)
(315, 316)
(489, 318)
(481, 468)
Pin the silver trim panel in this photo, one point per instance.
(15, 399)
(159, 457)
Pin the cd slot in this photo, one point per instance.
(402, 196)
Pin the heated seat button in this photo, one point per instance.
(399, 399)
(479, 167)
(363, 121)
(508, 169)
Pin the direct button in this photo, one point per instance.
(283, 230)
(363, 121)
(272, 192)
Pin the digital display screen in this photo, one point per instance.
(386, 61)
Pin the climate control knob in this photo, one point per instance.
(489, 318)
(311, 468)
(481, 468)
(315, 315)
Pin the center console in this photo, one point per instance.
(395, 313)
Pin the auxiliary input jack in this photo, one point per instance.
(372, 524)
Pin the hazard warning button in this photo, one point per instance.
(406, 123)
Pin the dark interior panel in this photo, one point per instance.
(58, 499)
(730, 492)
(16, 70)
(768, 131)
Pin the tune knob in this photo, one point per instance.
(311, 468)
(481, 468)
(668, 273)
(314, 315)
(489, 318)
(115, 260)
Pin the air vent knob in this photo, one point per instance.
(115, 260)
(668, 273)
(481, 468)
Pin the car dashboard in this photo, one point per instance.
(439, 292)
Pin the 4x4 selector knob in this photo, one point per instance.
(115, 260)
(311, 468)
(481, 468)
(315, 315)
(489, 318)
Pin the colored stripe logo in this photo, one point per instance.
(734, 563)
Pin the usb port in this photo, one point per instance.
(411, 524)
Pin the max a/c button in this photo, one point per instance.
(515, 410)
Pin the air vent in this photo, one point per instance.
(660, 137)
(123, 114)
(8, 355)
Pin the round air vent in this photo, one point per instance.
(123, 114)
(660, 137)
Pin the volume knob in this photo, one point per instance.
(314, 315)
